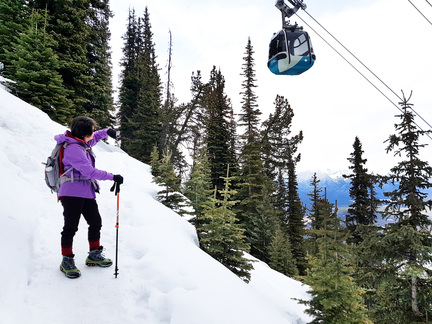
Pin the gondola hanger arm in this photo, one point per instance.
(287, 11)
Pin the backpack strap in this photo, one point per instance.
(64, 178)
(60, 157)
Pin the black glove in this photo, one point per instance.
(118, 180)
(112, 133)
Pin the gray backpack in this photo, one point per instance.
(55, 175)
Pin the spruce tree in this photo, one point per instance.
(320, 207)
(100, 105)
(315, 198)
(249, 115)
(140, 93)
(296, 225)
(155, 162)
(408, 241)
(336, 299)
(129, 79)
(221, 235)
(68, 25)
(364, 207)
(198, 186)
(255, 210)
(80, 29)
(147, 116)
(280, 160)
(280, 146)
(218, 120)
(35, 66)
(13, 21)
(170, 195)
(281, 258)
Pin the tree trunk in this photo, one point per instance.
(414, 301)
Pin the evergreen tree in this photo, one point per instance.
(320, 209)
(191, 124)
(100, 101)
(364, 207)
(261, 223)
(255, 210)
(81, 32)
(68, 25)
(296, 225)
(336, 299)
(130, 86)
(280, 156)
(198, 187)
(408, 241)
(221, 235)
(155, 163)
(13, 21)
(170, 195)
(35, 66)
(280, 146)
(147, 116)
(281, 258)
(249, 116)
(218, 121)
(140, 90)
(315, 198)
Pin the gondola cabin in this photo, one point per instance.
(290, 52)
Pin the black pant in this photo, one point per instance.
(73, 208)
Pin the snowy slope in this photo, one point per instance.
(163, 275)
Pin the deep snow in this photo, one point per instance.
(163, 275)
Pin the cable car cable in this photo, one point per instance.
(353, 55)
(363, 66)
(358, 71)
(346, 60)
(421, 12)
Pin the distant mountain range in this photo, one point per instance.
(337, 190)
(334, 185)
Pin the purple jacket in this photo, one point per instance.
(83, 162)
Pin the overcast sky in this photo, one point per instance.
(332, 102)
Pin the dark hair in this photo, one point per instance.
(82, 126)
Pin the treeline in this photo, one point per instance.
(234, 175)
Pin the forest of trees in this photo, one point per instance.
(233, 176)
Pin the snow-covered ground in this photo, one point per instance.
(163, 275)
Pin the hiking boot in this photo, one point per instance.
(68, 268)
(96, 258)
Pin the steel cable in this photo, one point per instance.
(358, 71)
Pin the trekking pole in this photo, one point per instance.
(117, 228)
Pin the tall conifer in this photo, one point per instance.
(80, 29)
(35, 66)
(364, 207)
(221, 235)
(281, 157)
(170, 195)
(218, 121)
(129, 77)
(140, 92)
(255, 210)
(13, 21)
(408, 241)
(100, 104)
(336, 298)
(198, 186)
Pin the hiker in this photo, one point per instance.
(78, 194)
